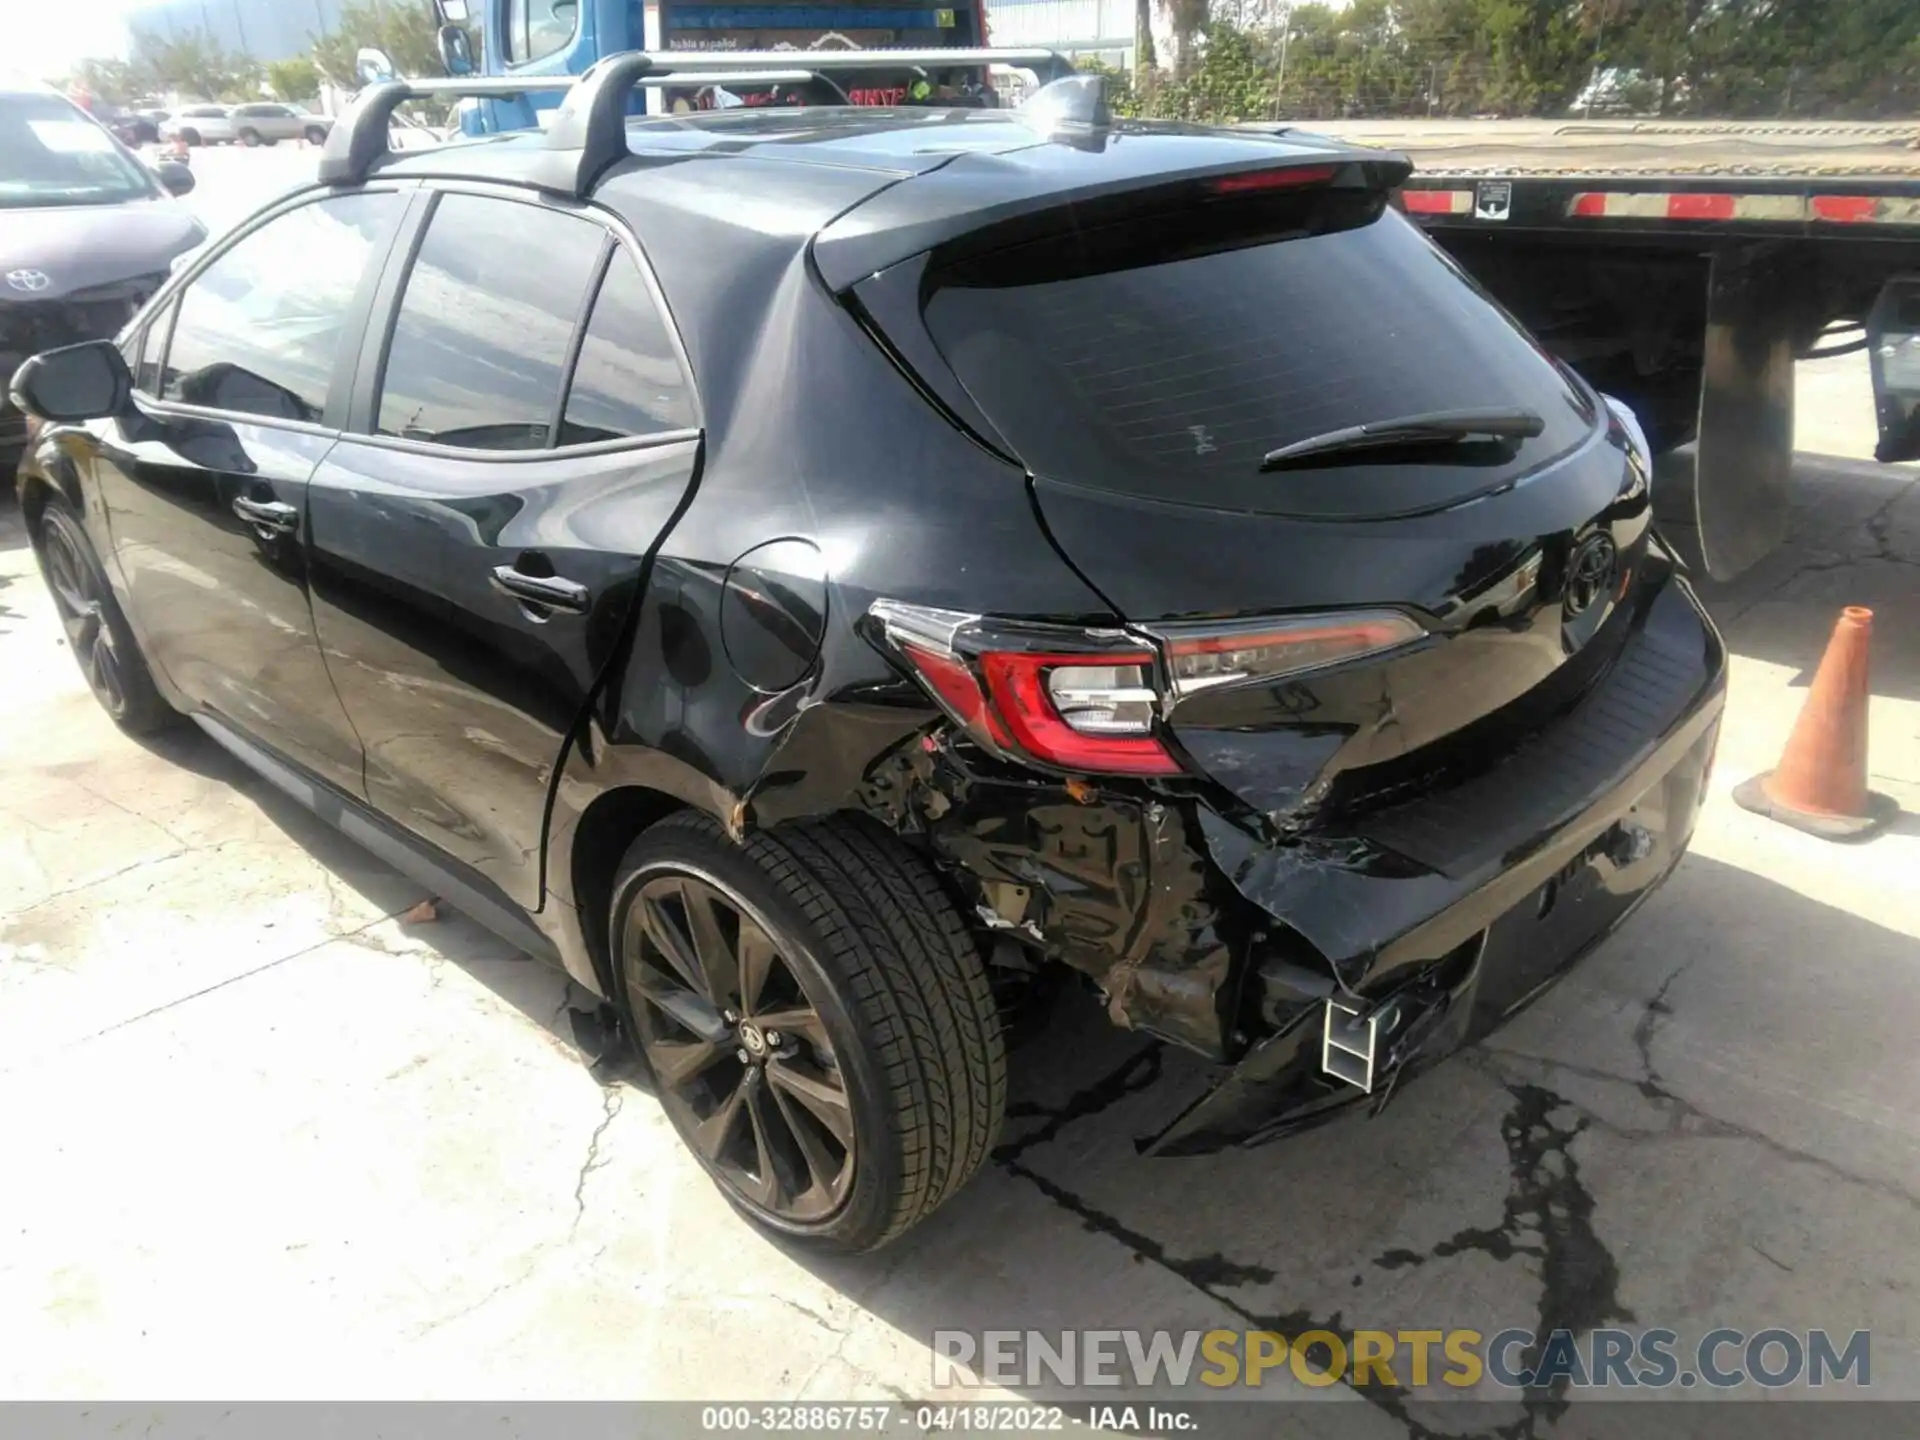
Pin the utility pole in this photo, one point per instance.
(1286, 37)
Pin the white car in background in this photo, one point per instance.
(200, 125)
(267, 122)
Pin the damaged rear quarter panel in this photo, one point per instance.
(1111, 881)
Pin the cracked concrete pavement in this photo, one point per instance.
(262, 1138)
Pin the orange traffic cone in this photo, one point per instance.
(1820, 785)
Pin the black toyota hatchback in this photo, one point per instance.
(819, 573)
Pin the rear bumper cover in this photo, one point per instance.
(1522, 874)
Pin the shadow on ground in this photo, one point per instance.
(1854, 540)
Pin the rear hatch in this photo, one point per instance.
(1346, 626)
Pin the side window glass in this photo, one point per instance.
(628, 380)
(480, 342)
(259, 328)
(537, 28)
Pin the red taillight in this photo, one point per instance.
(953, 684)
(1201, 659)
(1091, 711)
(1288, 179)
(1018, 681)
(1080, 701)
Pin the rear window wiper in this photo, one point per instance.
(1443, 426)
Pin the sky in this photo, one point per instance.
(43, 40)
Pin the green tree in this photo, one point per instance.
(114, 81)
(193, 63)
(405, 29)
(295, 79)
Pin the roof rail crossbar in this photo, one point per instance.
(359, 142)
(589, 131)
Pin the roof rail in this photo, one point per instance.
(359, 141)
(589, 132)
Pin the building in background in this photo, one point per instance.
(1097, 29)
(265, 29)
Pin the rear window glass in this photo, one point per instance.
(1167, 355)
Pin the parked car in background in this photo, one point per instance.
(269, 122)
(87, 233)
(200, 125)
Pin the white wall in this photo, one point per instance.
(1062, 24)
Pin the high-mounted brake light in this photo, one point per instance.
(1079, 701)
(1288, 179)
(1205, 657)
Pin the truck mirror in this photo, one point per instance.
(456, 50)
(451, 12)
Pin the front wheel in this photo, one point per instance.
(316, 135)
(97, 632)
(817, 1020)
(250, 138)
(190, 137)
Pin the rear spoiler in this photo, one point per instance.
(589, 132)
(978, 192)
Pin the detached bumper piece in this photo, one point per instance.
(1387, 959)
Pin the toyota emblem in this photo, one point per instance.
(28, 280)
(1589, 574)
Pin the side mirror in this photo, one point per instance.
(75, 382)
(176, 177)
(373, 65)
(456, 50)
(452, 12)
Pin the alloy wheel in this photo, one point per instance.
(743, 1060)
(83, 615)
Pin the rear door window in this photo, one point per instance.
(1167, 355)
(627, 381)
(260, 328)
(481, 339)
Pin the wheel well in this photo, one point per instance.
(610, 824)
(34, 496)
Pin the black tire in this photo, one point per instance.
(97, 633)
(191, 136)
(250, 138)
(883, 958)
(316, 135)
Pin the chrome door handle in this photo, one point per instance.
(548, 592)
(268, 516)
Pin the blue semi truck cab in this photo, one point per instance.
(561, 37)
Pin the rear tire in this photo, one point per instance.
(97, 633)
(887, 1008)
(250, 139)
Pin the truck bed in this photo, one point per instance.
(1640, 148)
